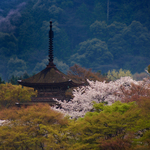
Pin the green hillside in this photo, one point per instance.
(98, 34)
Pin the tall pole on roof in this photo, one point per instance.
(51, 56)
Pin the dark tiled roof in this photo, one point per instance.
(50, 75)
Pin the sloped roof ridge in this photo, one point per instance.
(49, 75)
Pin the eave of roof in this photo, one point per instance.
(50, 76)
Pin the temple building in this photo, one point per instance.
(50, 83)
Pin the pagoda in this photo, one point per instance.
(50, 83)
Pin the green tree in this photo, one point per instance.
(99, 11)
(36, 127)
(83, 12)
(107, 124)
(141, 128)
(92, 52)
(101, 30)
(16, 67)
(8, 44)
(1, 81)
(114, 75)
(14, 79)
(133, 40)
(10, 94)
(66, 3)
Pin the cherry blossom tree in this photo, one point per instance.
(1, 121)
(96, 91)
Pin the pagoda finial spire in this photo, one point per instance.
(51, 57)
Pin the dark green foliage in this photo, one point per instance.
(14, 79)
(16, 67)
(122, 25)
(8, 44)
(133, 40)
(1, 81)
(96, 53)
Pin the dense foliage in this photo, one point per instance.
(121, 126)
(35, 127)
(11, 94)
(101, 116)
(114, 75)
(98, 34)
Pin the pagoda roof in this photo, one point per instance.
(50, 76)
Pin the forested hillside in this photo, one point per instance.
(98, 34)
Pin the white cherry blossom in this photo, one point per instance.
(97, 92)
